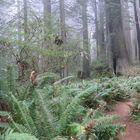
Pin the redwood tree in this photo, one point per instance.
(119, 54)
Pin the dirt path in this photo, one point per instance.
(132, 129)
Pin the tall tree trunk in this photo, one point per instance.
(47, 19)
(62, 20)
(22, 61)
(63, 34)
(25, 21)
(126, 26)
(94, 5)
(120, 58)
(19, 21)
(137, 26)
(25, 51)
(45, 62)
(86, 56)
(102, 47)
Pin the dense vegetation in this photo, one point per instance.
(65, 65)
(59, 111)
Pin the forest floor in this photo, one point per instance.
(132, 131)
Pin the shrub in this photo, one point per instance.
(46, 78)
(101, 69)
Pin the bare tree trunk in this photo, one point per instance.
(126, 26)
(102, 54)
(22, 57)
(62, 20)
(96, 25)
(25, 21)
(47, 18)
(137, 26)
(63, 34)
(86, 57)
(19, 22)
(25, 51)
(120, 57)
(47, 23)
(47, 31)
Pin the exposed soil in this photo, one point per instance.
(132, 131)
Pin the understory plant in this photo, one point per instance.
(52, 111)
(135, 108)
(76, 110)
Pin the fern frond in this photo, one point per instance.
(25, 116)
(68, 113)
(10, 135)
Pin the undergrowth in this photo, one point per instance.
(64, 111)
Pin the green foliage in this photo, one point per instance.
(75, 129)
(135, 117)
(52, 110)
(107, 131)
(134, 85)
(10, 135)
(4, 114)
(135, 110)
(56, 110)
(103, 129)
(46, 78)
(109, 91)
(64, 110)
(101, 69)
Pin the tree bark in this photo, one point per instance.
(96, 25)
(126, 27)
(47, 31)
(25, 21)
(47, 18)
(62, 20)
(137, 26)
(19, 22)
(86, 56)
(119, 57)
(63, 34)
(102, 47)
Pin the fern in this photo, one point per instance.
(107, 131)
(68, 113)
(11, 83)
(10, 135)
(48, 117)
(25, 116)
(51, 110)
